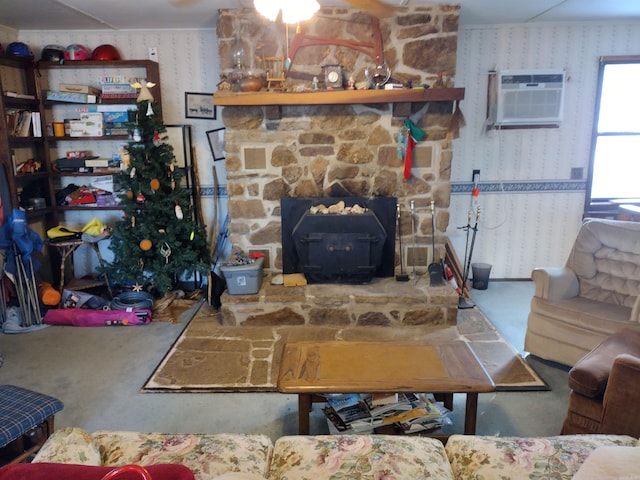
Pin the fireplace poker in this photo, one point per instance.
(436, 274)
(403, 277)
(467, 229)
(462, 301)
(413, 238)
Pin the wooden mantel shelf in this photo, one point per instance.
(337, 97)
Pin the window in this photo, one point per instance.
(615, 153)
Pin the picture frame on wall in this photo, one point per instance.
(216, 143)
(199, 105)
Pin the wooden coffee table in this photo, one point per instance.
(311, 369)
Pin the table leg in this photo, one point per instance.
(304, 410)
(65, 252)
(470, 414)
(447, 399)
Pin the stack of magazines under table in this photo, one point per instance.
(364, 413)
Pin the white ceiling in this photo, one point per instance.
(163, 14)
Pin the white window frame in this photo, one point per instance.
(600, 199)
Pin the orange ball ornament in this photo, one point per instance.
(145, 244)
(129, 194)
(155, 184)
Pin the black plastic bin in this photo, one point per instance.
(481, 272)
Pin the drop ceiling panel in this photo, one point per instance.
(196, 14)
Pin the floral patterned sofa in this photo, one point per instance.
(333, 457)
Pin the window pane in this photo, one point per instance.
(616, 167)
(620, 100)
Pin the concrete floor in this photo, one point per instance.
(98, 372)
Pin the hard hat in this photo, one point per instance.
(52, 53)
(105, 52)
(18, 49)
(76, 52)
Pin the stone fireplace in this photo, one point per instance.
(351, 149)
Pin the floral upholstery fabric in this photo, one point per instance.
(553, 458)
(207, 455)
(358, 457)
(70, 445)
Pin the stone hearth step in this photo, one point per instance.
(383, 302)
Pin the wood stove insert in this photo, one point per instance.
(349, 248)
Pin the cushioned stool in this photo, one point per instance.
(26, 421)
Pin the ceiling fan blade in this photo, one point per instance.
(183, 3)
(374, 7)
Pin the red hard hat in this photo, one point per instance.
(105, 52)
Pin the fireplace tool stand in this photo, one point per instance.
(436, 274)
(413, 239)
(463, 302)
(402, 277)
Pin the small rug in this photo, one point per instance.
(208, 357)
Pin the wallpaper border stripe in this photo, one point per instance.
(538, 186)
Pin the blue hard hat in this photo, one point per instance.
(19, 49)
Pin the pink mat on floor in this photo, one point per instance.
(81, 317)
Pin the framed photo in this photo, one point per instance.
(216, 143)
(199, 105)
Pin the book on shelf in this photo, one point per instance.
(108, 109)
(74, 88)
(18, 122)
(91, 162)
(102, 163)
(22, 123)
(79, 154)
(36, 123)
(120, 96)
(115, 131)
(118, 87)
(26, 96)
(71, 97)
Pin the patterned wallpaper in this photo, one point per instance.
(7, 35)
(530, 210)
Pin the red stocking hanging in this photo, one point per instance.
(408, 157)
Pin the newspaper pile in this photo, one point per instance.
(363, 413)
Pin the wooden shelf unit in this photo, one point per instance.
(28, 78)
(152, 73)
(21, 78)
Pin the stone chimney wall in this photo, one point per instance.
(339, 150)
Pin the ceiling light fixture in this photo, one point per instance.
(293, 11)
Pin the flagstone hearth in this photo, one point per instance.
(383, 302)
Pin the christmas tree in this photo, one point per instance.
(157, 241)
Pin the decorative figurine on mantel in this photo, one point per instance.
(224, 85)
(378, 75)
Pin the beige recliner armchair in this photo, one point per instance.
(595, 294)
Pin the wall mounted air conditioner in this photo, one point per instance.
(527, 97)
